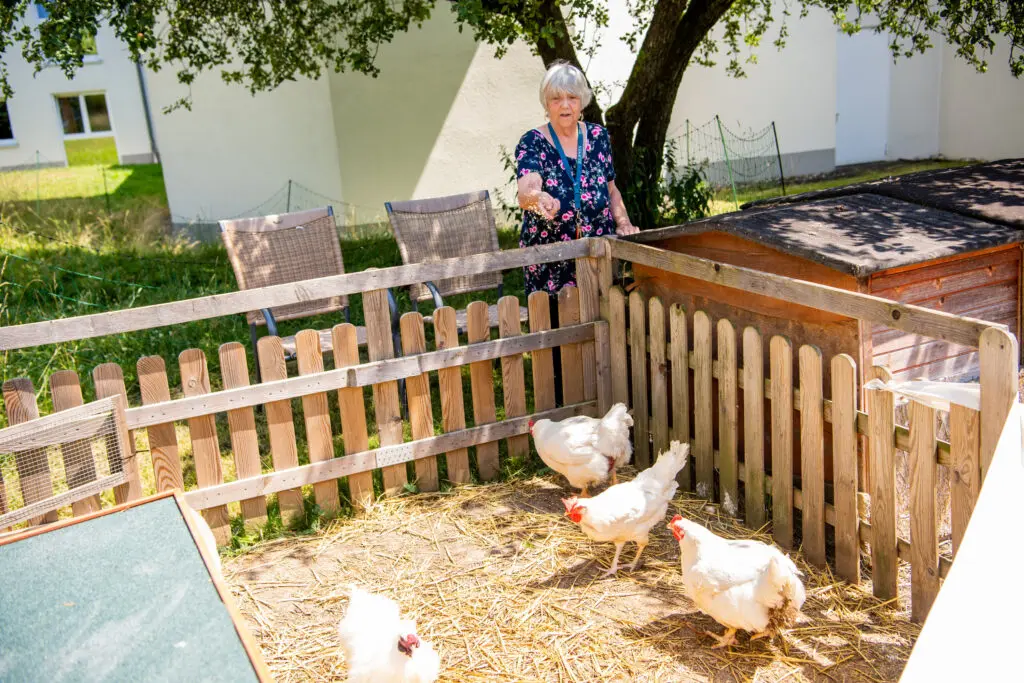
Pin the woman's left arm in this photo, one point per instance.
(623, 226)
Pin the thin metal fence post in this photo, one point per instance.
(778, 155)
(728, 165)
(288, 203)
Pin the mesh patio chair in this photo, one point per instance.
(447, 227)
(272, 250)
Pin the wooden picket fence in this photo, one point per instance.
(753, 409)
(706, 382)
(428, 373)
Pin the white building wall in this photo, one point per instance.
(36, 121)
(981, 115)
(914, 95)
(234, 152)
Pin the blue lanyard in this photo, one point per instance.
(577, 206)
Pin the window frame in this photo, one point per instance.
(13, 140)
(89, 133)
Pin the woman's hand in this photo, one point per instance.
(532, 197)
(626, 228)
(623, 226)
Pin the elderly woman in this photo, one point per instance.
(566, 178)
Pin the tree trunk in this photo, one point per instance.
(638, 122)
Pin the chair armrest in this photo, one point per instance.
(438, 301)
(271, 323)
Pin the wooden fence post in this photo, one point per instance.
(659, 378)
(163, 440)
(680, 361)
(388, 413)
(33, 468)
(281, 427)
(481, 382)
(753, 426)
(67, 393)
(728, 418)
(703, 405)
(109, 381)
(781, 362)
(882, 450)
(234, 370)
(317, 415)
(999, 385)
(449, 380)
(353, 413)
(844, 466)
(812, 454)
(638, 362)
(417, 392)
(588, 283)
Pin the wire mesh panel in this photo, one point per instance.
(56, 460)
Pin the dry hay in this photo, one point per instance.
(507, 588)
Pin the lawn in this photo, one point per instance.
(88, 239)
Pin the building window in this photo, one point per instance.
(6, 132)
(84, 114)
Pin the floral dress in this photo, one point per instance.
(535, 154)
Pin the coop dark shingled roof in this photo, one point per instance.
(992, 191)
(858, 234)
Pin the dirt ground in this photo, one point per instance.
(507, 589)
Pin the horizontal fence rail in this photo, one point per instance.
(216, 305)
(906, 317)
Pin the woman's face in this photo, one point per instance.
(563, 109)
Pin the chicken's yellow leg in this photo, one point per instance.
(615, 477)
(639, 549)
(725, 640)
(615, 561)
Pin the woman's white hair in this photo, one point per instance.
(563, 77)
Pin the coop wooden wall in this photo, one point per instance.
(983, 285)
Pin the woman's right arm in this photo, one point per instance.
(532, 196)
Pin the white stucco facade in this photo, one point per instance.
(35, 118)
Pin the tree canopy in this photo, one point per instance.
(263, 44)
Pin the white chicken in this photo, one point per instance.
(380, 646)
(584, 449)
(628, 511)
(745, 585)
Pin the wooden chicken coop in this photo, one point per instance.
(711, 374)
(948, 240)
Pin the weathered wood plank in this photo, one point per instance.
(353, 413)
(163, 439)
(703, 425)
(109, 381)
(481, 378)
(571, 354)
(728, 418)
(367, 460)
(195, 380)
(965, 482)
(602, 350)
(812, 454)
(617, 330)
(231, 303)
(999, 376)
(34, 473)
(356, 375)
(281, 428)
(679, 355)
(417, 392)
(659, 377)
(924, 531)
(753, 427)
(543, 359)
(317, 416)
(453, 411)
(781, 361)
(588, 285)
(66, 391)
(388, 413)
(245, 446)
(844, 466)
(881, 448)
(638, 363)
(513, 377)
(823, 297)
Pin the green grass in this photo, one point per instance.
(91, 151)
(723, 200)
